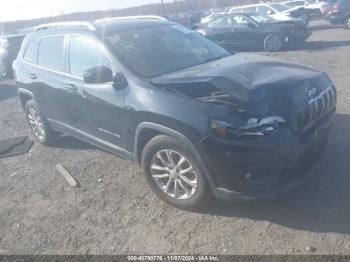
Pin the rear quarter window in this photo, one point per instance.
(31, 52)
(51, 53)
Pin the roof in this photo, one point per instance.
(106, 24)
(114, 25)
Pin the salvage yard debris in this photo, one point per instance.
(67, 176)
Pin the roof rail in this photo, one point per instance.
(85, 25)
(145, 17)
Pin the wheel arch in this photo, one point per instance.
(152, 130)
(145, 131)
(24, 96)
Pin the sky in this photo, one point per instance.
(11, 10)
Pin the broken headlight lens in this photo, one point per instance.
(252, 128)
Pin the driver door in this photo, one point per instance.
(245, 32)
(99, 108)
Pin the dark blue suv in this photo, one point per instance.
(200, 121)
(340, 13)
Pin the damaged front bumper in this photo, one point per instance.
(244, 170)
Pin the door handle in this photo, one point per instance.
(33, 76)
(71, 87)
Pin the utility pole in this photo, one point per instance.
(162, 4)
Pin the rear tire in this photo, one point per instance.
(273, 42)
(39, 126)
(165, 161)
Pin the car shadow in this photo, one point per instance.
(317, 45)
(325, 27)
(7, 91)
(308, 46)
(321, 205)
(70, 142)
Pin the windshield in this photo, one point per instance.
(279, 7)
(154, 51)
(262, 19)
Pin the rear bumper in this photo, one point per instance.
(336, 19)
(262, 169)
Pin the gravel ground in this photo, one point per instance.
(114, 211)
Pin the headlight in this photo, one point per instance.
(253, 128)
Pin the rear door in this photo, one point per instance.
(50, 72)
(26, 71)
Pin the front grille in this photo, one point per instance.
(317, 108)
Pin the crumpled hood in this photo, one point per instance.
(252, 81)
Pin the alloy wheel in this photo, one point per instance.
(174, 174)
(274, 43)
(36, 124)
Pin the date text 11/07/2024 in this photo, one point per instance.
(172, 258)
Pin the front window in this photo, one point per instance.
(223, 21)
(263, 10)
(153, 51)
(262, 19)
(85, 54)
(240, 20)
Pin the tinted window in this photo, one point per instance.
(85, 54)
(31, 52)
(156, 50)
(221, 22)
(263, 10)
(51, 55)
(239, 20)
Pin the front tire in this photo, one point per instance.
(173, 174)
(273, 42)
(39, 126)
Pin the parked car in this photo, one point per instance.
(277, 11)
(189, 19)
(237, 31)
(9, 48)
(313, 9)
(210, 17)
(200, 121)
(340, 13)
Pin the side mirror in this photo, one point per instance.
(98, 75)
(118, 80)
(269, 12)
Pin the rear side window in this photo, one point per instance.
(31, 52)
(51, 54)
